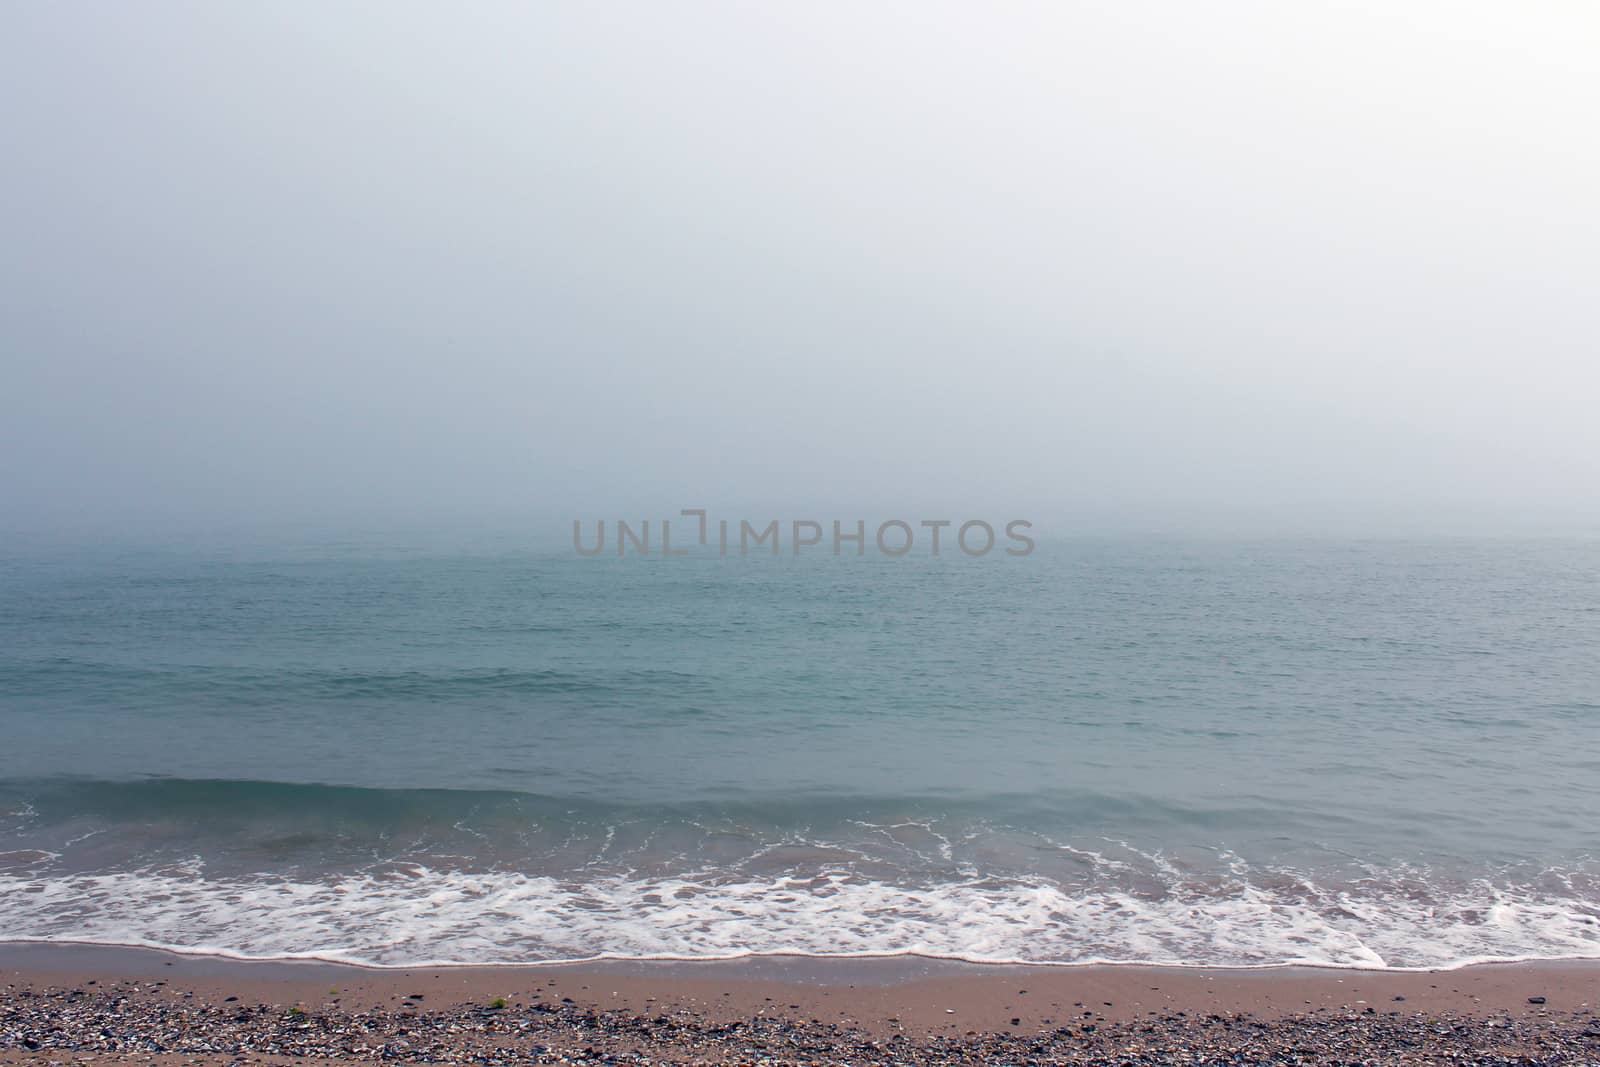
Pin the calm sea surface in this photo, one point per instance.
(1381, 754)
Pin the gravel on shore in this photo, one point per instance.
(132, 1021)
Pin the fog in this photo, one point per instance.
(1257, 267)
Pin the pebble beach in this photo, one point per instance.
(147, 1007)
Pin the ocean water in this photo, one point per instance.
(1226, 753)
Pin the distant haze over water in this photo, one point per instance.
(1249, 267)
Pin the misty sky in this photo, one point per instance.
(1256, 266)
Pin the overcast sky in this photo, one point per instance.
(1258, 266)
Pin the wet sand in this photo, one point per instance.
(73, 1003)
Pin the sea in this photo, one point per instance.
(394, 751)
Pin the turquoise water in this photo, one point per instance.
(1358, 753)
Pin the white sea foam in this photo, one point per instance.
(427, 916)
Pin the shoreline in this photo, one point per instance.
(922, 1009)
(756, 959)
(1489, 986)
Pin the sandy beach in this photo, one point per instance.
(80, 1004)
